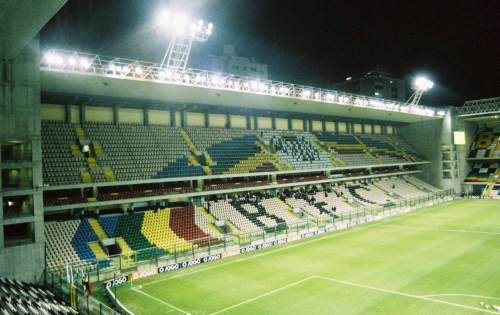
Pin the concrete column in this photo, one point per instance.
(145, 116)
(205, 117)
(183, 119)
(249, 123)
(273, 123)
(323, 125)
(67, 113)
(336, 127)
(116, 113)
(172, 118)
(82, 113)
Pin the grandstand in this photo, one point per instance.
(123, 175)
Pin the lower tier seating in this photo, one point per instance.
(164, 231)
(18, 297)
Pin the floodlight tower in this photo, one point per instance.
(420, 85)
(182, 32)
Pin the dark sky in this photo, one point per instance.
(317, 42)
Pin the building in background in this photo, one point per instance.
(230, 62)
(375, 83)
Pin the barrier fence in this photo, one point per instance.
(118, 270)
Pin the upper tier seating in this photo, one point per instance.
(486, 145)
(126, 152)
(60, 166)
(399, 142)
(382, 147)
(347, 149)
(136, 152)
(17, 297)
(298, 148)
(232, 151)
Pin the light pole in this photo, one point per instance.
(182, 31)
(420, 85)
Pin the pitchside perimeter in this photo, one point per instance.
(442, 260)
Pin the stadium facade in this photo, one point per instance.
(86, 135)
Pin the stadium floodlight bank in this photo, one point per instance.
(68, 61)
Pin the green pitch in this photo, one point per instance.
(441, 260)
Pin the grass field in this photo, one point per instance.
(440, 260)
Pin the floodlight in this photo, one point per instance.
(163, 18)
(84, 63)
(306, 93)
(125, 69)
(179, 23)
(10, 203)
(53, 59)
(283, 90)
(423, 84)
(72, 61)
(112, 67)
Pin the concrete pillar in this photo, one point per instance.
(67, 113)
(205, 117)
(82, 113)
(145, 116)
(116, 113)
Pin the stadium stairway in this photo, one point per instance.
(322, 148)
(259, 162)
(367, 150)
(194, 152)
(97, 228)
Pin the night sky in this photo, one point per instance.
(317, 42)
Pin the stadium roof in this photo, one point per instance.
(72, 73)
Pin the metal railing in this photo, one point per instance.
(144, 261)
(71, 61)
(480, 107)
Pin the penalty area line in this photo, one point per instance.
(417, 297)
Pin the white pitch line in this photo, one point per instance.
(251, 256)
(442, 230)
(465, 295)
(161, 301)
(263, 295)
(418, 297)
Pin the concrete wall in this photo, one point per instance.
(158, 117)
(20, 119)
(470, 130)
(426, 137)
